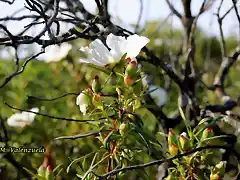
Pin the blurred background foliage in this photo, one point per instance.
(53, 79)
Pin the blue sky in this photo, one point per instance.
(127, 11)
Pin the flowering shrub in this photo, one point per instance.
(115, 109)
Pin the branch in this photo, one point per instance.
(6, 1)
(223, 42)
(17, 72)
(46, 115)
(52, 99)
(50, 21)
(173, 9)
(187, 8)
(9, 157)
(92, 133)
(236, 11)
(222, 73)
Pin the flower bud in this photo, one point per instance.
(96, 86)
(128, 80)
(83, 102)
(123, 129)
(173, 150)
(172, 138)
(207, 133)
(220, 168)
(128, 59)
(49, 173)
(184, 141)
(131, 68)
(96, 97)
(41, 171)
(214, 177)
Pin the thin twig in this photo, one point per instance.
(46, 115)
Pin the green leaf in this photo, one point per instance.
(78, 160)
(34, 175)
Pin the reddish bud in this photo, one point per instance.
(209, 129)
(173, 150)
(214, 177)
(172, 138)
(49, 168)
(133, 62)
(207, 133)
(96, 97)
(128, 80)
(89, 90)
(128, 59)
(171, 131)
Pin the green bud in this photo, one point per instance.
(123, 129)
(49, 173)
(207, 133)
(173, 150)
(41, 171)
(131, 68)
(214, 177)
(184, 141)
(172, 138)
(96, 86)
(220, 168)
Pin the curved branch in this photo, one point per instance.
(46, 115)
(173, 9)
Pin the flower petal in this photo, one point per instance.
(93, 59)
(83, 108)
(83, 102)
(100, 51)
(117, 45)
(134, 45)
(21, 119)
(56, 52)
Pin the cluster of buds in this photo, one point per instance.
(218, 171)
(174, 144)
(130, 71)
(89, 96)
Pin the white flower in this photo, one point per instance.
(100, 55)
(82, 101)
(56, 52)
(22, 119)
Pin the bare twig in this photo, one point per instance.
(49, 116)
(17, 72)
(173, 9)
(92, 133)
(52, 99)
